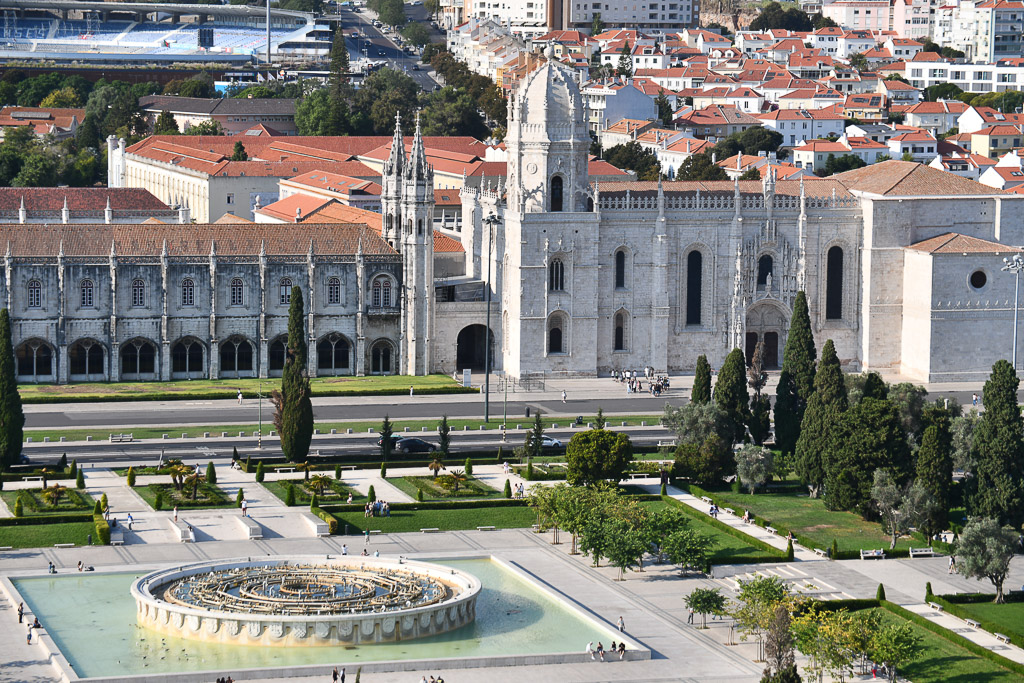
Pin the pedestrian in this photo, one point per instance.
(622, 650)
(622, 626)
(52, 569)
(410, 390)
(175, 513)
(689, 616)
(28, 638)
(81, 566)
(239, 397)
(131, 521)
(344, 548)
(334, 675)
(341, 679)
(563, 395)
(245, 508)
(376, 553)
(366, 537)
(21, 611)
(364, 553)
(590, 650)
(974, 399)
(952, 564)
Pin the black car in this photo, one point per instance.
(394, 442)
(414, 446)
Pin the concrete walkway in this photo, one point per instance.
(975, 635)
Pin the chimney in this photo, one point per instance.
(298, 214)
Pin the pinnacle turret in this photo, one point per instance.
(418, 169)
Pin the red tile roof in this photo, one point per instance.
(955, 243)
(79, 199)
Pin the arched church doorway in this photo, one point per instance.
(469, 348)
(766, 322)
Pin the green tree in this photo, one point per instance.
(868, 437)
(700, 167)
(79, 480)
(339, 59)
(689, 549)
(259, 471)
(701, 392)
(166, 124)
(731, 395)
(755, 606)
(821, 21)
(321, 114)
(858, 61)
(796, 381)
(893, 645)
(596, 26)
(693, 422)
(130, 478)
(416, 33)
(753, 466)
(211, 473)
(38, 170)
(963, 440)
(705, 601)
(825, 408)
(12, 417)
(935, 475)
(773, 16)
(444, 438)
(632, 157)
(760, 424)
(597, 455)
(626, 544)
(293, 414)
(205, 128)
(382, 94)
(778, 641)
(386, 432)
(625, 66)
(451, 113)
(984, 551)
(942, 91)
(391, 12)
(910, 400)
(844, 162)
(65, 98)
(704, 464)
(239, 153)
(997, 488)
(752, 173)
(533, 445)
(664, 108)
(888, 499)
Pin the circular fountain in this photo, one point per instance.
(306, 600)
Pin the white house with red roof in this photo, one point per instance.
(796, 125)
(938, 117)
(920, 145)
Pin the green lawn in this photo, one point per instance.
(943, 661)
(209, 496)
(336, 494)
(432, 490)
(34, 505)
(808, 518)
(1009, 617)
(46, 535)
(357, 427)
(445, 520)
(728, 549)
(228, 388)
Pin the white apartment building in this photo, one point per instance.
(796, 125)
(978, 77)
(485, 46)
(984, 30)
(537, 17)
(611, 101)
(860, 15)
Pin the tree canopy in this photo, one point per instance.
(632, 157)
(774, 16)
(700, 167)
(597, 455)
(997, 487)
(796, 381)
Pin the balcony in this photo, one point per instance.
(382, 311)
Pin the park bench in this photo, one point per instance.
(729, 510)
(348, 467)
(821, 553)
(772, 530)
(486, 528)
(669, 444)
(878, 554)
(63, 545)
(921, 552)
(936, 606)
(375, 531)
(121, 438)
(253, 530)
(320, 527)
(640, 475)
(282, 470)
(535, 527)
(430, 530)
(39, 479)
(185, 532)
(1000, 636)
(972, 623)
(116, 537)
(6, 547)
(706, 500)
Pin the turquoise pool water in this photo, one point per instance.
(92, 619)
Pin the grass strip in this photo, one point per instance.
(47, 535)
(34, 505)
(209, 496)
(432, 489)
(336, 494)
(754, 548)
(1007, 618)
(405, 520)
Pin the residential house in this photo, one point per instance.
(60, 123)
(796, 125)
(937, 117)
(233, 114)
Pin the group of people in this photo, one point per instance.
(600, 651)
(713, 511)
(378, 508)
(519, 490)
(227, 679)
(424, 679)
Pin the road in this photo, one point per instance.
(375, 45)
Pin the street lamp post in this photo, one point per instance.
(490, 222)
(1015, 266)
(259, 434)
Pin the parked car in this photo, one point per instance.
(394, 442)
(415, 446)
(415, 67)
(550, 442)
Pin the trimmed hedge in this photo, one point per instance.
(47, 519)
(332, 521)
(951, 603)
(102, 530)
(442, 505)
(231, 394)
(726, 529)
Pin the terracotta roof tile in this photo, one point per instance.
(79, 199)
(955, 243)
(906, 178)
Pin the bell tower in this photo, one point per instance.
(391, 188)
(415, 228)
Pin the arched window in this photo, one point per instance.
(238, 292)
(556, 193)
(138, 293)
(85, 359)
(556, 275)
(333, 290)
(556, 334)
(35, 360)
(694, 283)
(332, 355)
(35, 294)
(286, 291)
(620, 331)
(419, 227)
(380, 292)
(188, 292)
(620, 269)
(380, 358)
(834, 285)
(277, 354)
(138, 359)
(386, 293)
(764, 269)
(187, 357)
(236, 357)
(86, 292)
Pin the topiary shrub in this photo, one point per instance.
(289, 497)
(314, 502)
(211, 473)
(104, 504)
(97, 509)
(79, 480)
(529, 471)
(371, 495)
(508, 489)
(259, 472)
(102, 530)
(159, 502)
(62, 464)
(383, 470)
(18, 508)
(501, 457)
(337, 471)
(928, 595)
(835, 550)
(664, 490)
(469, 467)
(131, 477)
(73, 470)
(248, 463)
(234, 452)
(239, 498)
(880, 593)
(419, 495)
(789, 550)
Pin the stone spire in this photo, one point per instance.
(22, 213)
(65, 213)
(418, 167)
(397, 156)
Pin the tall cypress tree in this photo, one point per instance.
(293, 414)
(701, 392)
(935, 474)
(12, 418)
(824, 410)
(874, 387)
(998, 482)
(731, 394)
(796, 382)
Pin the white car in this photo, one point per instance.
(550, 442)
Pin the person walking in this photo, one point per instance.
(563, 395)
(239, 397)
(21, 611)
(974, 399)
(341, 678)
(410, 390)
(245, 508)
(334, 675)
(175, 513)
(366, 536)
(621, 625)
(131, 521)
(689, 616)
(952, 564)
(28, 638)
